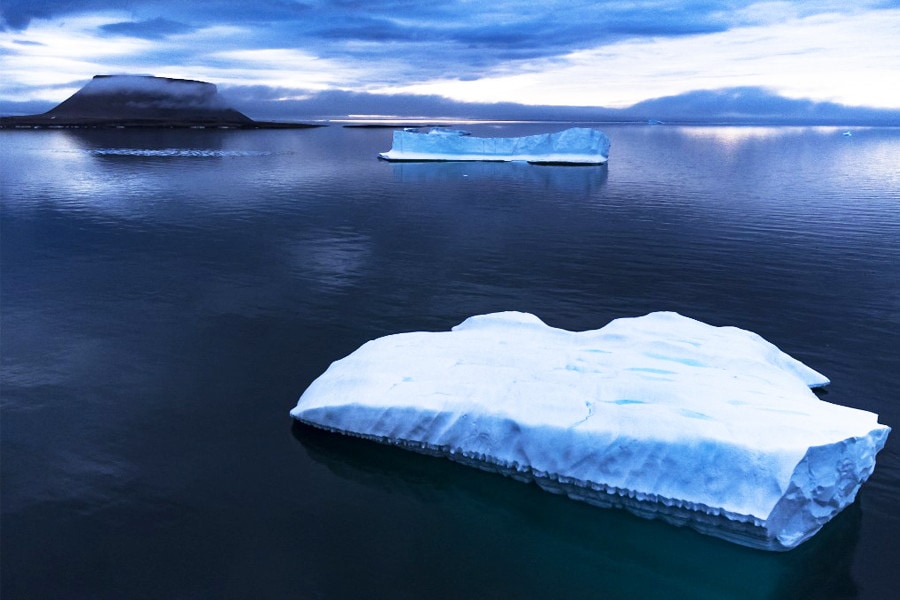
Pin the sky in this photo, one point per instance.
(267, 54)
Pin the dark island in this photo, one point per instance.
(144, 101)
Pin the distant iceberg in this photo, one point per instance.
(577, 145)
(665, 416)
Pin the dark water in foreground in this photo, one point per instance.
(167, 296)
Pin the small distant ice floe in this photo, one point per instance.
(574, 146)
(662, 415)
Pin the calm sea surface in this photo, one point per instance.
(168, 295)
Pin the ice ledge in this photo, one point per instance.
(664, 416)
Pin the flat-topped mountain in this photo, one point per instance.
(142, 101)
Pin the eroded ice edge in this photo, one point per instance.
(665, 416)
(577, 145)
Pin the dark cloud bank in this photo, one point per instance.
(733, 105)
(745, 105)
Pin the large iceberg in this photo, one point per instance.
(663, 415)
(577, 145)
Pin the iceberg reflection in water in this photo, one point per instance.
(577, 181)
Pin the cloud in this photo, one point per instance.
(827, 57)
(19, 14)
(152, 29)
(457, 38)
(58, 55)
(477, 33)
(755, 104)
(287, 68)
(150, 87)
(733, 105)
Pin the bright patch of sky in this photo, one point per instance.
(556, 52)
(817, 57)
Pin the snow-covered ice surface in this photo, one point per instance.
(577, 145)
(663, 415)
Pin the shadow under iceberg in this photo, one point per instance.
(629, 556)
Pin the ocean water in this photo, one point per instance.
(166, 296)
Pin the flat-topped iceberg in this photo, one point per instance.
(665, 416)
(577, 145)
